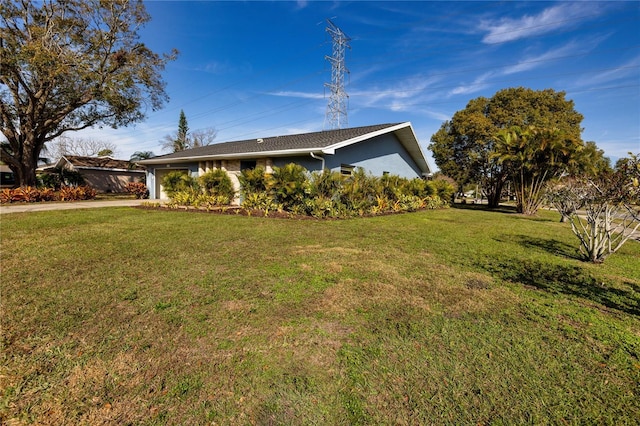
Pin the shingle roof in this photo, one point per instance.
(323, 143)
(101, 163)
(304, 141)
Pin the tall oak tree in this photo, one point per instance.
(68, 65)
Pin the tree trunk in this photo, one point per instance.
(494, 195)
(26, 174)
(24, 162)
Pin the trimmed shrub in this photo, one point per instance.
(217, 183)
(178, 181)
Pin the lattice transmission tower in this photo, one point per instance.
(336, 116)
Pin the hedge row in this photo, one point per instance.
(293, 189)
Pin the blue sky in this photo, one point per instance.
(258, 68)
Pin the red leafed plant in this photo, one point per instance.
(6, 195)
(27, 194)
(76, 193)
(47, 194)
(139, 189)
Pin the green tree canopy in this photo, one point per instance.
(464, 147)
(69, 65)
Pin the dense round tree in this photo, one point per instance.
(466, 147)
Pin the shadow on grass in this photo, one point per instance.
(570, 280)
(502, 208)
(551, 246)
(483, 207)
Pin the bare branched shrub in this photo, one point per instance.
(604, 212)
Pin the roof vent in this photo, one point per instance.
(260, 140)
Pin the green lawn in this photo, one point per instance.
(458, 316)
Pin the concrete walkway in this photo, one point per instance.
(39, 207)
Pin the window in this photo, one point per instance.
(247, 164)
(6, 178)
(347, 169)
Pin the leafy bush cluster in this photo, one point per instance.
(292, 189)
(30, 194)
(329, 194)
(138, 189)
(59, 177)
(210, 190)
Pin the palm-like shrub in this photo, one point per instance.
(326, 184)
(391, 187)
(360, 191)
(417, 188)
(444, 187)
(253, 181)
(288, 185)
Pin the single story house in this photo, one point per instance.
(379, 149)
(104, 174)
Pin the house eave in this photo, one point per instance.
(254, 154)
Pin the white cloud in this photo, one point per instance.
(476, 86)
(294, 94)
(404, 92)
(531, 62)
(625, 70)
(556, 17)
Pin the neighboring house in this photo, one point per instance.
(378, 149)
(105, 174)
(7, 179)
